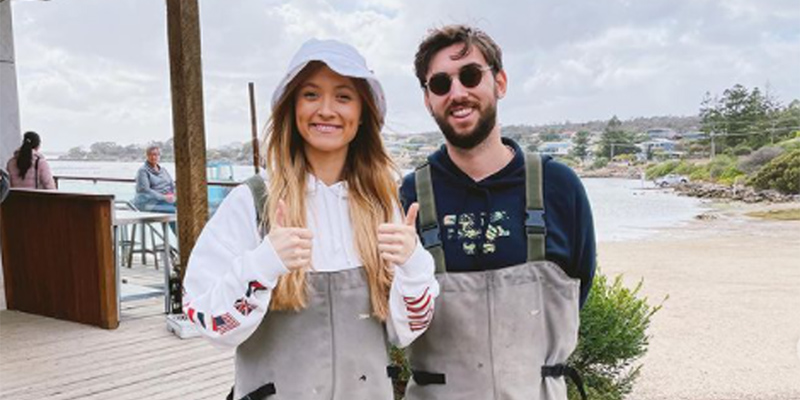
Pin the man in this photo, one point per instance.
(512, 235)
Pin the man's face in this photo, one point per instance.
(466, 116)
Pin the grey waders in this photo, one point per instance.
(332, 349)
(499, 334)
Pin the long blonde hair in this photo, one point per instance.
(372, 190)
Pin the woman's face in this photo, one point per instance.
(153, 156)
(327, 113)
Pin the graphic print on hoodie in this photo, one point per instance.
(482, 223)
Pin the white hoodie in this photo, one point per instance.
(232, 270)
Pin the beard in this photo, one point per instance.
(476, 136)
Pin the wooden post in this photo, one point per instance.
(186, 75)
(254, 126)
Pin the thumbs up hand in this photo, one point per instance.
(396, 242)
(293, 245)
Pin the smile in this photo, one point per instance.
(461, 111)
(325, 128)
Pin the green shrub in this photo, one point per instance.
(742, 150)
(759, 158)
(613, 335)
(685, 168)
(730, 176)
(791, 144)
(782, 174)
(658, 170)
(568, 161)
(720, 164)
(398, 357)
(701, 174)
(600, 162)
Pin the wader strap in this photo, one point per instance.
(423, 378)
(428, 225)
(258, 394)
(559, 370)
(259, 191)
(534, 207)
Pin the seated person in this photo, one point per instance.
(155, 189)
(28, 169)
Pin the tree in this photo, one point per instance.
(580, 148)
(549, 137)
(743, 117)
(615, 140)
(75, 153)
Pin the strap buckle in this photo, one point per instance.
(430, 237)
(534, 222)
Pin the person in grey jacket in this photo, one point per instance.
(155, 189)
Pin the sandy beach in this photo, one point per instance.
(730, 328)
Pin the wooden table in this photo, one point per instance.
(123, 218)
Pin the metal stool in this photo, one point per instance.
(128, 245)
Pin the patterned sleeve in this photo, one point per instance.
(412, 297)
(231, 273)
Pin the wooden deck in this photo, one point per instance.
(45, 358)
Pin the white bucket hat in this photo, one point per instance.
(342, 58)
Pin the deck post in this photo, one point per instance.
(186, 75)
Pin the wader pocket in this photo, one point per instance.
(423, 378)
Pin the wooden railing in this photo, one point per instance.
(95, 179)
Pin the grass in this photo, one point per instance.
(791, 214)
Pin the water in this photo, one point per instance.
(623, 209)
(629, 209)
(111, 169)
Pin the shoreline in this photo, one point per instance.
(730, 327)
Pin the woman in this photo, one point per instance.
(155, 189)
(28, 168)
(306, 304)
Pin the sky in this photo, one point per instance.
(98, 70)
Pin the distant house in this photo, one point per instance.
(693, 135)
(661, 133)
(665, 147)
(555, 148)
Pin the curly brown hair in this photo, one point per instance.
(440, 38)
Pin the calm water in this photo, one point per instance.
(623, 209)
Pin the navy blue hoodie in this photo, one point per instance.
(482, 223)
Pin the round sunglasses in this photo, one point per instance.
(469, 75)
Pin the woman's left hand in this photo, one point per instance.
(396, 242)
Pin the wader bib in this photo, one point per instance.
(499, 334)
(332, 349)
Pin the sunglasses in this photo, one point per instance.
(469, 75)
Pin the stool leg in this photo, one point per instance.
(155, 251)
(132, 246)
(144, 246)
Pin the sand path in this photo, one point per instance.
(731, 326)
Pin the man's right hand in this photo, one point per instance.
(293, 245)
(170, 197)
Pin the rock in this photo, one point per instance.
(745, 194)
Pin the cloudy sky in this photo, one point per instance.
(97, 70)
